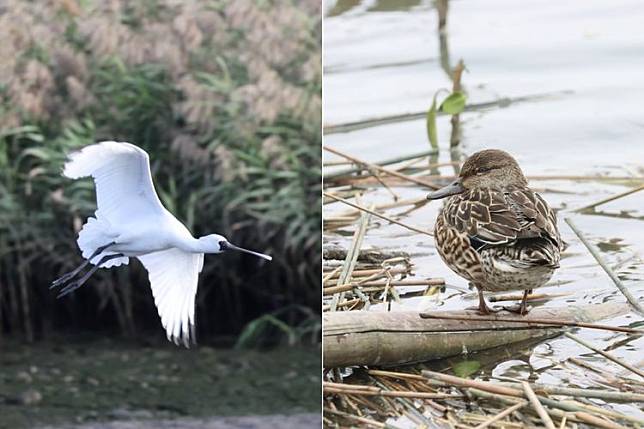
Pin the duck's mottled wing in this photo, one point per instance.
(539, 218)
(495, 217)
(484, 215)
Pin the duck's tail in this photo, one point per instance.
(534, 252)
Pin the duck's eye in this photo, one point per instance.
(482, 170)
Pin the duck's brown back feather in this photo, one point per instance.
(495, 217)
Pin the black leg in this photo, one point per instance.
(70, 275)
(78, 283)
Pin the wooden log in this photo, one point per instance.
(396, 338)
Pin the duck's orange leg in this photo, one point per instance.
(483, 308)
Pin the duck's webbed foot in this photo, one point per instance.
(483, 307)
(522, 308)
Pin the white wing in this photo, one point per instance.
(121, 172)
(173, 276)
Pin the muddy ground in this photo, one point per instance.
(86, 384)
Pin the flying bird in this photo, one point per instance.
(495, 231)
(130, 221)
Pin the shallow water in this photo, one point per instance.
(383, 58)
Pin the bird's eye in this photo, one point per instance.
(482, 170)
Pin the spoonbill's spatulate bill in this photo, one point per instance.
(130, 221)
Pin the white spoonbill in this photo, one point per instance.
(130, 221)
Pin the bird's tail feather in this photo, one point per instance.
(95, 233)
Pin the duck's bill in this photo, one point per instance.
(229, 246)
(451, 189)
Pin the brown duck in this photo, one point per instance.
(495, 231)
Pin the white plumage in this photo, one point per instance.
(130, 221)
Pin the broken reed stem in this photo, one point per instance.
(511, 401)
(396, 204)
(470, 107)
(531, 297)
(561, 408)
(538, 407)
(394, 374)
(368, 272)
(381, 216)
(502, 414)
(623, 289)
(528, 320)
(372, 282)
(455, 137)
(351, 258)
(594, 420)
(466, 382)
(611, 198)
(367, 181)
(396, 160)
(333, 273)
(382, 169)
(390, 393)
(487, 389)
(605, 354)
(617, 381)
(584, 393)
(356, 418)
(380, 285)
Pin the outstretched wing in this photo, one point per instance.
(174, 275)
(121, 172)
(491, 217)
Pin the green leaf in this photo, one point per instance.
(466, 368)
(454, 103)
(431, 125)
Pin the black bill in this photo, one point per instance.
(451, 189)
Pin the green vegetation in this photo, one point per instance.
(453, 104)
(228, 108)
